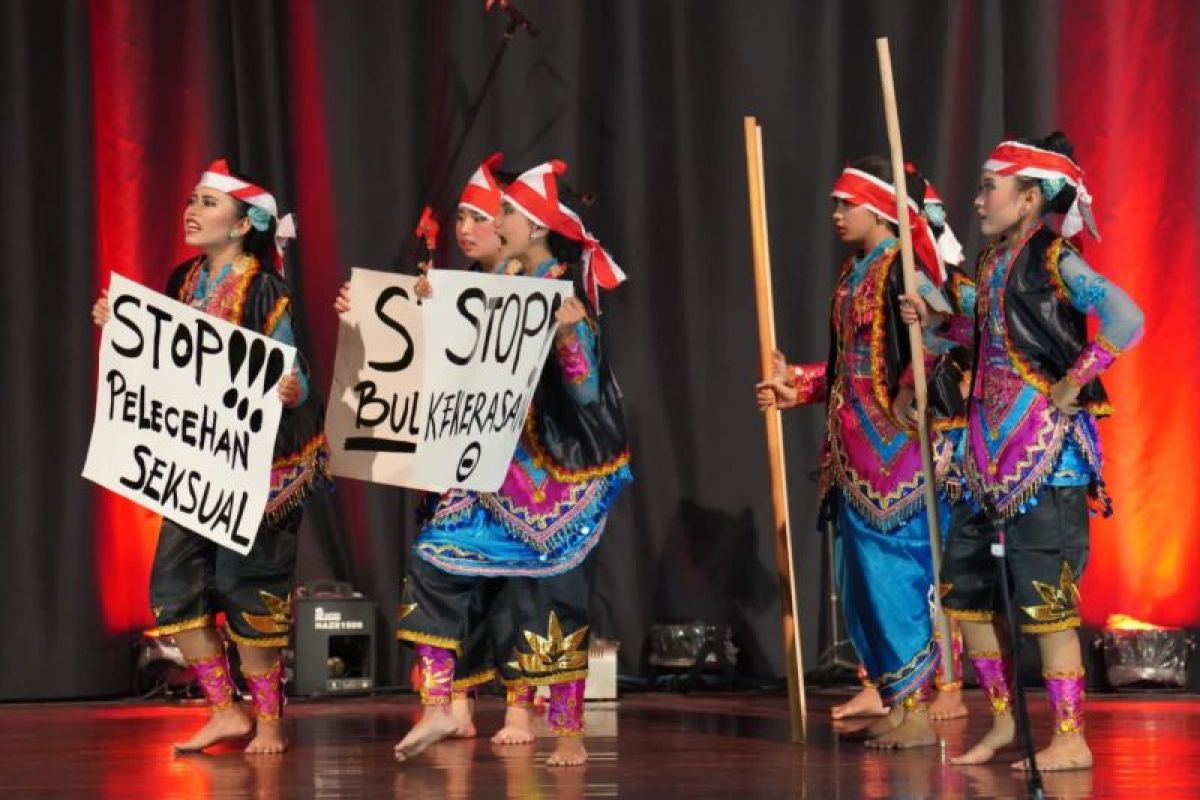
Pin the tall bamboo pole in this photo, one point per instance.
(892, 114)
(779, 497)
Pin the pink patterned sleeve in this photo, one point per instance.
(574, 361)
(577, 358)
(809, 381)
(1093, 359)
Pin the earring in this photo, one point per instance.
(233, 234)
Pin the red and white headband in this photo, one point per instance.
(1029, 161)
(535, 195)
(482, 192)
(218, 177)
(860, 188)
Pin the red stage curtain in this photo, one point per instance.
(1129, 99)
(150, 116)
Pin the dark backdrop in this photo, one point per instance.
(109, 111)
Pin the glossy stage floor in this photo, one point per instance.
(647, 746)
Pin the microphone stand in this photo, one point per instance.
(1033, 778)
(436, 189)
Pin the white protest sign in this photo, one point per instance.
(373, 419)
(487, 338)
(434, 394)
(186, 414)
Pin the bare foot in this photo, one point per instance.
(268, 738)
(224, 725)
(1066, 751)
(463, 711)
(568, 752)
(997, 738)
(947, 705)
(518, 726)
(882, 727)
(437, 724)
(915, 730)
(864, 704)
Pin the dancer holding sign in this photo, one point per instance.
(477, 239)
(872, 479)
(535, 533)
(238, 277)
(1032, 454)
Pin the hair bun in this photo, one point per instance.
(1059, 143)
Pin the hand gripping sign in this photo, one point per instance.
(433, 394)
(187, 409)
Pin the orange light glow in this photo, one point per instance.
(1123, 622)
(1134, 116)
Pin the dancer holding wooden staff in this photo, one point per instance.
(873, 480)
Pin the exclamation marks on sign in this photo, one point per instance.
(254, 357)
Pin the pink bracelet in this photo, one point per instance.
(1096, 357)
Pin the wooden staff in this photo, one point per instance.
(779, 497)
(892, 115)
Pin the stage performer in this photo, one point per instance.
(535, 533)
(1032, 453)
(238, 277)
(475, 234)
(872, 481)
(947, 702)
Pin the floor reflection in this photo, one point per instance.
(715, 746)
